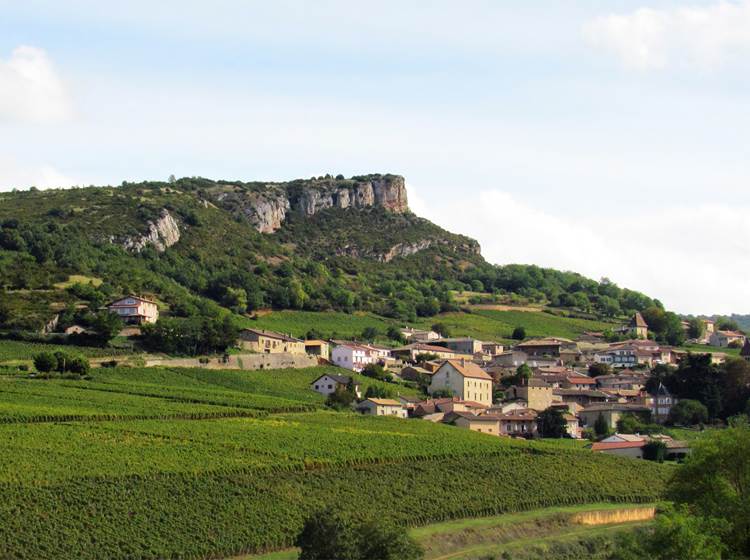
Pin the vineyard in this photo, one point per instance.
(190, 463)
(132, 393)
(16, 350)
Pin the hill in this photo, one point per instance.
(208, 248)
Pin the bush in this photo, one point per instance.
(45, 362)
(688, 412)
(519, 333)
(655, 450)
(376, 371)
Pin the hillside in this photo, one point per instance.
(203, 247)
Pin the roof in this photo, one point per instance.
(585, 392)
(540, 342)
(431, 348)
(469, 369)
(474, 417)
(735, 334)
(130, 297)
(602, 446)
(384, 402)
(638, 320)
(343, 379)
(272, 334)
(581, 379)
(315, 342)
(619, 407)
(520, 414)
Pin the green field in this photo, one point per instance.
(704, 349)
(16, 350)
(193, 463)
(482, 324)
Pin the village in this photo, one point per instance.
(587, 386)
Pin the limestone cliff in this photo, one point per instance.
(266, 206)
(161, 234)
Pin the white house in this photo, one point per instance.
(134, 309)
(326, 384)
(465, 379)
(353, 356)
(382, 407)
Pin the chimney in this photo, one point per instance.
(463, 362)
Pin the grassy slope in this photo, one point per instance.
(464, 538)
(482, 324)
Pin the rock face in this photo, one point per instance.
(161, 234)
(266, 209)
(407, 248)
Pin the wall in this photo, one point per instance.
(242, 361)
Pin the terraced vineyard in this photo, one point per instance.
(16, 350)
(200, 463)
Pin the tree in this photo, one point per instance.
(523, 374)
(688, 412)
(44, 362)
(375, 392)
(341, 398)
(676, 534)
(597, 369)
(519, 333)
(655, 450)
(696, 328)
(601, 428)
(442, 329)
(385, 541)
(369, 333)
(425, 357)
(376, 371)
(105, 326)
(327, 536)
(394, 333)
(551, 424)
(714, 482)
(442, 394)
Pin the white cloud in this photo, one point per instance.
(14, 175)
(30, 88)
(691, 258)
(704, 36)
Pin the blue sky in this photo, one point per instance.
(610, 138)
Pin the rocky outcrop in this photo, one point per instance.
(266, 207)
(161, 234)
(408, 248)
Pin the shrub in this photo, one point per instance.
(655, 450)
(44, 362)
(519, 333)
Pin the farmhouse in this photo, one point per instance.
(353, 356)
(464, 379)
(611, 412)
(485, 424)
(461, 345)
(327, 384)
(319, 348)
(535, 392)
(382, 407)
(518, 423)
(722, 339)
(417, 335)
(269, 342)
(134, 309)
(411, 351)
(542, 347)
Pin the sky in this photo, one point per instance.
(608, 138)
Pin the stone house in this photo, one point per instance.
(327, 384)
(269, 342)
(477, 423)
(537, 394)
(723, 339)
(320, 348)
(382, 407)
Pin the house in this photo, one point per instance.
(581, 397)
(327, 384)
(417, 335)
(465, 380)
(542, 347)
(411, 351)
(353, 356)
(509, 359)
(633, 447)
(269, 342)
(134, 309)
(382, 407)
(623, 380)
(416, 374)
(518, 423)
(572, 425)
(319, 348)
(662, 403)
(535, 392)
(611, 412)
(722, 339)
(492, 348)
(638, 326)
(461, 345)
(477, 423)
(578, 381)
(75, 329)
